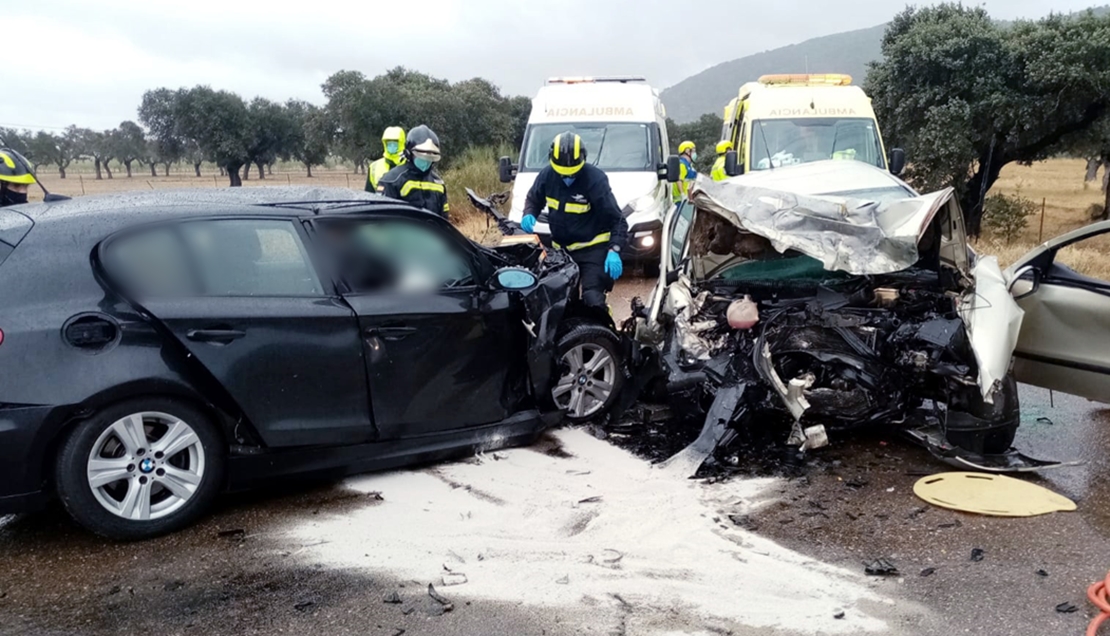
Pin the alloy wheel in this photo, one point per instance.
(587, 382)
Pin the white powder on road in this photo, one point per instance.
(598, 528)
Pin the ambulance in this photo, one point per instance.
(622, 122)
(784, 120)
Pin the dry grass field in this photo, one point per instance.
(1058, 183)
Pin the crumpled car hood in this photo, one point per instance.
(853, 236)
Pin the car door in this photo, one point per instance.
(442, 351)
(1063, 287)
(242, 297)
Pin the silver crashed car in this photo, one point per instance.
(830, 296)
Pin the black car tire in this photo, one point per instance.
(589, 339)
(73, 471)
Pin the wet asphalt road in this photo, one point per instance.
(851, 503)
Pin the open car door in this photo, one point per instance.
(1062, 286)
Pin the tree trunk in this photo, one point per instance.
(127, 164)
(196, 167)
(167, 169)
(1092, 169)
(270, 169)
(153, 172)
(308, 166)
(1105, 176)
(233, 175)
(990, 166)
(261, 170)
(96, 166)
(107, 169)
(61, 172)
(247, 171)
(223, 173)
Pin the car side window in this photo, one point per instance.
(250, 258)
(1085, 258)
(151, 263)
(679, 231)
(397, 255)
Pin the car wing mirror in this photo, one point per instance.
(516, 279)
(506, 171)
(897, 161)
(661, 170)
(673, 168)
(732, 164)
(1026, 273)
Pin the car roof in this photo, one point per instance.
(167, 203)
(823, 177)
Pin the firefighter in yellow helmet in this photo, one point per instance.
(718, 172)
(583, 214)
(15, 178)
(393, 148)
(687, 155)
(416, 182)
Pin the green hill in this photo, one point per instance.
(710, 90)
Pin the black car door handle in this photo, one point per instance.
(391, 333)
(215, 335)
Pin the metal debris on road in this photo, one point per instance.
(447, 605)
(977, 554)
(928, 572)
(880, 567)
(1067, 608)
(393, 598)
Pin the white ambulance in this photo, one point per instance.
(622, 122)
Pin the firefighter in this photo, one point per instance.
(718, 172)
(415, 181)
(687, 155)
(15, 178)
(583, 214)
(393, 147)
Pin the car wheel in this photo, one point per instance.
(590, 372)
(140, 468)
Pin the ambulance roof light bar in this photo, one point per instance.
(827, 79)
(622, 79)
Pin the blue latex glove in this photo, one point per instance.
(528, 223)
(613, 266)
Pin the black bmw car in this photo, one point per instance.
(159, 348)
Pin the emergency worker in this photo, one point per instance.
(415, 181)
(583, 214)
(687, 155)
(718, 172)
(15, 178)
(393, 147)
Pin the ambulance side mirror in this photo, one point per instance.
(897, 161)
(506, 171)
(661, 170)
(673, 169)
(732, 164)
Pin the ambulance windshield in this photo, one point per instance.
(614, 147)
(784, 142)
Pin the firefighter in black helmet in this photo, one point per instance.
(15, 178)
(583, 214)
(415, 181)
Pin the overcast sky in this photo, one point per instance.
(88, 63)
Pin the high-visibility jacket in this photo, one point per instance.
(718, 172)
(421, 189)
(580, 215)
(686, 174)
(379, 167)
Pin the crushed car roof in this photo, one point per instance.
(854, 236)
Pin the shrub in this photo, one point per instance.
(476, 169)
(1006, 216)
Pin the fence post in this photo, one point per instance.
(82, 180)
(348, 175)
(1040, 234)
(288, 179)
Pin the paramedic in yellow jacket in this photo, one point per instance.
(393, 148)
(687, 155)
(718, 172)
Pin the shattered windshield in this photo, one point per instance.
(612, 147)
(786, 142)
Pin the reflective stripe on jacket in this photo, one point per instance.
(421, 189)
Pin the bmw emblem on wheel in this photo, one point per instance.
(147, 465)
